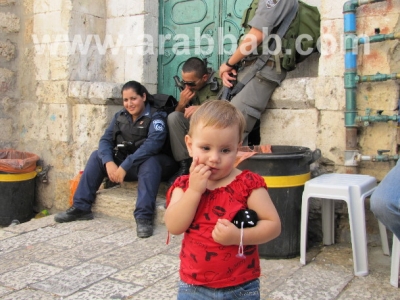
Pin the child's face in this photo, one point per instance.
(215, 147)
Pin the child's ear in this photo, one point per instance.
(189, 143)
(239, 145)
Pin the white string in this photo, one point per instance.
(240, 251)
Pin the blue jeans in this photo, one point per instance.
(148, 174)
(247, 291)
(385, 200)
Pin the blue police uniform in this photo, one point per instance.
(147, 165)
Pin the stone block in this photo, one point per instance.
(378, 136)
(43, 6)
(329, 93)
(58, 31)
(150, 68)
(54, 92)
(7, 50)
(331, 62)
(84, 25)
(27, 30)
(90, 8)
(59, 68)
(331, 137)
(89, 121)
(378, 9)
(142, 68)
(330, 10)
(6, 80)
(9, 23)
(307, 68)
(120, 202)
(83, 92)
(58, 123)
(296, 93)
(99, 92)
(126, 31)
(7, 2)
(6, 133)
(41, 63)
(27, 8)
(115, 65)
(376, 169)
(297, 127)
(378, 59)
(8, 104)
(118, 8)
(152, 10)
(377, 96)
(88, 67)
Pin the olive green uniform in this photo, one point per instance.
(264, 15)
(179, 125)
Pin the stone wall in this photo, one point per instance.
(9, 94)
(309, 111)
(63, 61)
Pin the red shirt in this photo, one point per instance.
(205, 262)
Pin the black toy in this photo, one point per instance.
(247, 216)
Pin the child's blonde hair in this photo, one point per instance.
(219, 114)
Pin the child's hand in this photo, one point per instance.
(226, 233)
(199, 174)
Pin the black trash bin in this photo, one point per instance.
(17, 185)
(285, 171)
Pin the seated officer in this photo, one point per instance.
(139, 133)
(201, 84)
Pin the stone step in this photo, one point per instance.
(119, 202)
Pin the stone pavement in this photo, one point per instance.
(103, 259)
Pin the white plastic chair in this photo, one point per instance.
(395, 262)
(352, 188)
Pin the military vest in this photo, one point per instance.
(209, 91)
(130, 134)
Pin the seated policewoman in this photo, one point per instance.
(131, 149)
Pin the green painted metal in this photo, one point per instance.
(203, 28)
(351, 6)
(377, 77)
(384, 157)
(351, 94)
(379, 38)
(376, 118)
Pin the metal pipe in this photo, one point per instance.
(377, 77)
(376, 118)
(376, 158)
(379, 38)
(350, 82)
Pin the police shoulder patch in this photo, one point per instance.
(271, 3)
(159, 125)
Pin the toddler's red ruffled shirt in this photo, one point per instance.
(205, 262)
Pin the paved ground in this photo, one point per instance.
(103, 259)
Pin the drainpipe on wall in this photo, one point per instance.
(351, 79)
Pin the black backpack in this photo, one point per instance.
(165, 102)
(168, 104)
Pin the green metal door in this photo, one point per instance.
(203, 28)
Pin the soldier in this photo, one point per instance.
(200, 84)
(259, 21)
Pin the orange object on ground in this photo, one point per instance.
(13, 161)
(73, 184)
